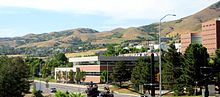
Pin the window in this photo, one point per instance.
(92, 73)
(89, 63)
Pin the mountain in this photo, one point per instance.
(69, 37)
(73, 40)
(83, 39)
(193, 23)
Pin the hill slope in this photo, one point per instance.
(193, 22)
(74, 40)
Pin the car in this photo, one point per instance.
(53, 90)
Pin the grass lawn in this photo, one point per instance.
(124, 90)
(127, 90)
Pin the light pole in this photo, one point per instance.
(40, 77)
(107, 72)
(160, 71)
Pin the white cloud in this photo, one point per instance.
(116, 9)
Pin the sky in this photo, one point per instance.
(21, 17)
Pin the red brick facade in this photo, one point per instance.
(210, 36)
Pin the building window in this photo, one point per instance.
(89, 63)
(92, 73)
(104, 63)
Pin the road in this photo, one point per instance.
(69, 88)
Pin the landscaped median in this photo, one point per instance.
(126, 91)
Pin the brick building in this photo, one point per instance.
(93, 66)
(209, 37)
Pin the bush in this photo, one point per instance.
(76, 95)
(34, 91)
(62, 94)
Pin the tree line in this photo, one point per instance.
(179, 70)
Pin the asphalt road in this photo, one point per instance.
(65, 87)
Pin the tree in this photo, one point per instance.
(195, 56)
(64, 75)
(57, 60)
(45, 71)
(121, 73)
(34, 65)
(58, 74)
(14, 74)
(104, 76)
(171, 66)
(141, 73)
(71, 76)
(80, 75)
(61, 57)
(216, 66)
(110, 51)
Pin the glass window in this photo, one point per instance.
(89, 63)
(196, 39)
(92, 73)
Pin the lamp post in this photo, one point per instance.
(107, 72)
(40, 75)
(160, 71)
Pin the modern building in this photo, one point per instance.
(211, 35)
(93, 66)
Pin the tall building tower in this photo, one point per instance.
(211, 35)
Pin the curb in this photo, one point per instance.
(126, 94)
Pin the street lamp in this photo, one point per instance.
(160, 71)
(107, 72)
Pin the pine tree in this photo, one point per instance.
(14, 75)
(171, 67)
(141, 73)
(121, 73)
(196, 56)
(216, 66)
